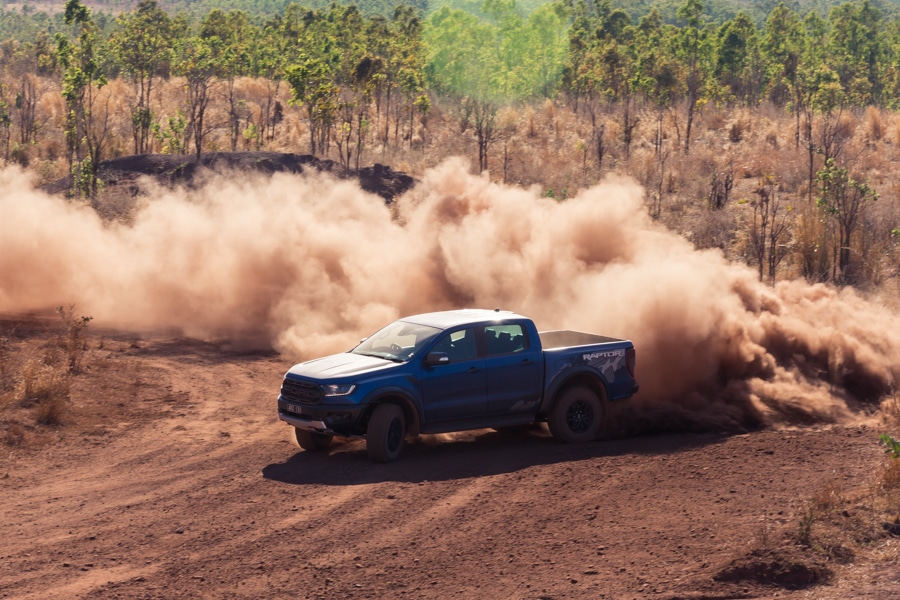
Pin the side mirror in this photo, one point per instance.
(437, 358)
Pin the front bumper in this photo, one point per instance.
(331, 419)
(307, 424)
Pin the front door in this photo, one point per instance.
(457, 389)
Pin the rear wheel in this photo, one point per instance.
(312, 441)
(386, 432)
(578, 415)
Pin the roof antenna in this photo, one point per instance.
(496, 310)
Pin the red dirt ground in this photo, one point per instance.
(171, 477)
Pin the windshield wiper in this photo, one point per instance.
(382, 355)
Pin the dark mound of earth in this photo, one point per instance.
(776, 568)
(180, 169)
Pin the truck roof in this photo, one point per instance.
(451, 318)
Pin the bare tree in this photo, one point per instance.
(480, 114)
(769, 229)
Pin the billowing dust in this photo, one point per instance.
(308, 264)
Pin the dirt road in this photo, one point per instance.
(174, 479)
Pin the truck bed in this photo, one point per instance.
(570, 339)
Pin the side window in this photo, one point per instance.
(504, 339)
(459, 345)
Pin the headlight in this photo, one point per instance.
(335, 389)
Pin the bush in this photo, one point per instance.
(15, 434)
(74, 342)
(893, 446)
(48, 388)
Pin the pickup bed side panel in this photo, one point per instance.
(606, 362)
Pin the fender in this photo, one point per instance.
(564, 377)
(411, 407)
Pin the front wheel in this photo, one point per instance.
(386, 432)
(312, 441)
(577, 415)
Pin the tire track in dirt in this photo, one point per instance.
(170, 507)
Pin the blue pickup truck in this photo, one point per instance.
(453, 371)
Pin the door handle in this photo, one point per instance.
(473, 370)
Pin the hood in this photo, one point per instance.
(340, 365)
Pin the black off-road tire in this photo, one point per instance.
(312, 441)
(386, 433)
(578, 415)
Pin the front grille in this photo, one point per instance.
(301, 392)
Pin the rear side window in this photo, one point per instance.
(504, 339)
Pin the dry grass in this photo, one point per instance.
(889, 474)
(73, 342)
(890, 411)
(15, 434)
(840, 523)
(874, 123)
(829, 498)
(553, 144)
(47, 388)
(37, 377)
(889, 477)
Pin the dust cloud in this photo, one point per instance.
(309, 264)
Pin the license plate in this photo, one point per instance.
(294, 409)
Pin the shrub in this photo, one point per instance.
(15, 434)
(74, 343)
(52, 407)
(893, 446)
(890, 475)
(48, 388)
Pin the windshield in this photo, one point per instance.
(398, 342)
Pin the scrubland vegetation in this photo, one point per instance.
(773, 138)
(36, 382)
(775, 142)
(848, 520)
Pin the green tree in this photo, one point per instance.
(87, 124)
(232, 34)
(695, 51)
(485, 63)
(782, 46)
(581, 79)
(342, 66)
(857, 48)
(268, 63)
(5, 122)
(404, 86)
(735, 65)
(464, 61)
(313, 87)
(197, 60)
(842, 199)
(618, 78)
(143, 47)
(658, 71)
